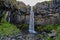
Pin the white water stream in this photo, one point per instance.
(31, 23)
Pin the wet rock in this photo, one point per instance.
(52, 35)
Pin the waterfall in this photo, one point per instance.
(31, 23)
(9, 17)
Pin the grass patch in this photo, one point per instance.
(55, 27)
(8, 29)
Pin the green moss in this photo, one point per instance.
(48, 27)
(8, 29)
(14, 2)
(58, 36)
(55, 27)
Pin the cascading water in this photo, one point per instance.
(31, 23)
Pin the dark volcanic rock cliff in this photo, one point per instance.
(7, 6)
(24, 11)
(47, 12)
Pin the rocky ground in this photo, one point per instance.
(22, 37)
(29, 36)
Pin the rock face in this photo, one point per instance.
(19, 16)
(47, 12)
(23, 14)
(8, 5)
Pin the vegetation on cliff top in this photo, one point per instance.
(9, 3)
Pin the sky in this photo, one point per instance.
(31, 2)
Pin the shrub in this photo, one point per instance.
(39, 28)
(23, 27)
